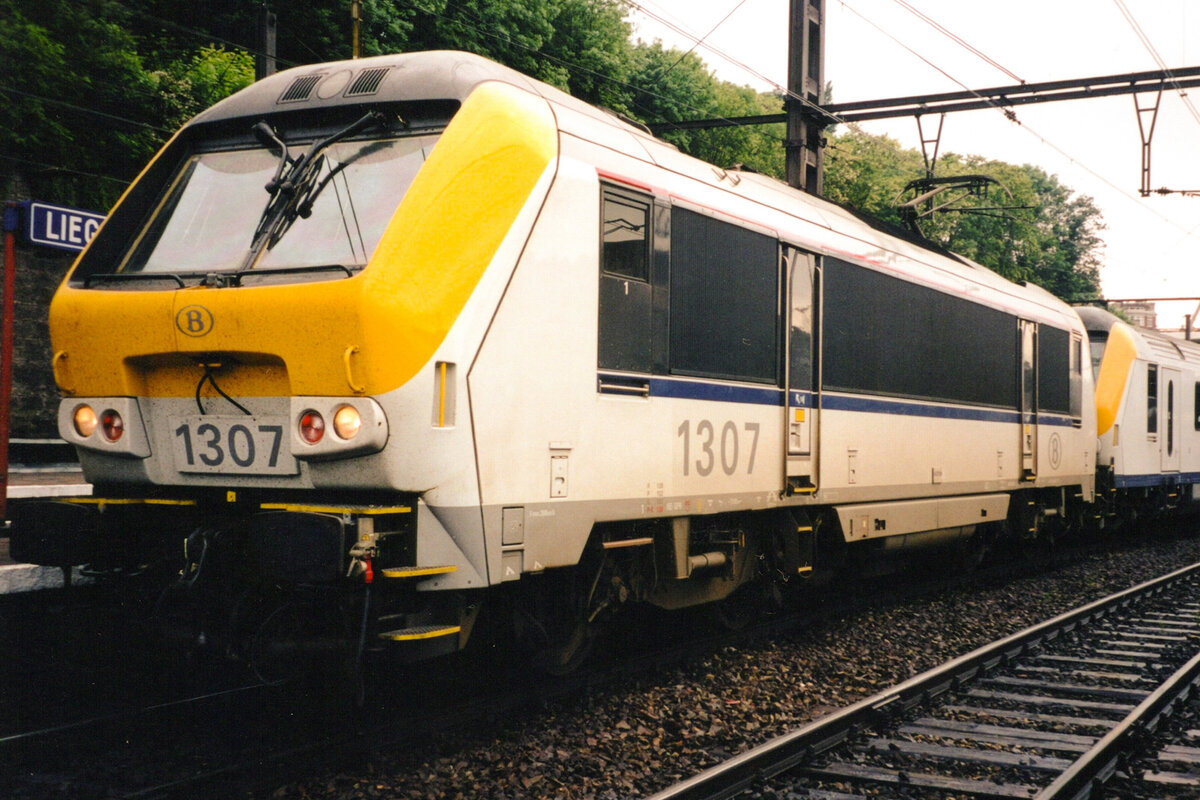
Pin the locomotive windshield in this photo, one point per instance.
(212, 217)
(1097, 341)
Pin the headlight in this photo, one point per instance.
(347, 422)
(85, 421)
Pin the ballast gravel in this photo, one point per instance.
(634, 740)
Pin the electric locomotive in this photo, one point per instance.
(411, 335)
(1147, 391)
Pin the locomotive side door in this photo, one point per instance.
(802, 369)
(1027, 344)
(1170, 383)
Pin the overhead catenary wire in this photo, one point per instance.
(1012, 117)
(204, 35)
(1158, 59)
(571, 65)
(1006, 111)
(217, 39)
(4, 89)
(703, 38)
(209, 37)
(942, 29)
(640, 8)
(44, 167)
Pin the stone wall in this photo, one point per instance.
(35, 397)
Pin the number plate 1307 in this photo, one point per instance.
(232, 445)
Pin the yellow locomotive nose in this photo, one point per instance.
(329, 333)
(1119, 355)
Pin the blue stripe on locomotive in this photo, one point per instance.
(1155, 479)
(684, 389)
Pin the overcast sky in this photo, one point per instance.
(1093, 146)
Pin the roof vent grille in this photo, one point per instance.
(300, 89)
(367, 82)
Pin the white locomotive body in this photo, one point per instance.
(556, 354)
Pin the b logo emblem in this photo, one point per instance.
(194, 321)
(1055, 451)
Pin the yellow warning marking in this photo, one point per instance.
(442, 395)
(359, 510)
(412, 637)
(418, 572)
(1120, 353)
(126, 501)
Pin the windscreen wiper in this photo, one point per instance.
(178, 277)
(292, 193)
(214, 279)
(223, 279)
(270, 140)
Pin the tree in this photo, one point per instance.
(592, 37)
(758, 147)
(868, 172)
(1048, 235)
(189, 86)
(670, 86)
(79, 115)
(102, 83)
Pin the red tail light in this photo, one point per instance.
(112, 424)
(312, 427)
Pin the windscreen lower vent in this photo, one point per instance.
(300, 89)
(367, 82)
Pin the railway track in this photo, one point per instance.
(229, 742)
(1057, 711)
(1169, 764)
(176, 748)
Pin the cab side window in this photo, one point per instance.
(1152, 398)
(626, 236)
(625, 291)
(1196, 405)
(1076, 377)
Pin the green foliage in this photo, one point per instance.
(1037, 229)
(77, 101)
(189, 86)
(670, 86)
(868, 172)
(99, 84)
(592, 37)
(758, 147)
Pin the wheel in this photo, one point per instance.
(737, 611)
(567, 652)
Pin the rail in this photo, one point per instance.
(1077, 780)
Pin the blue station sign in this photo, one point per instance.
(60, 226)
